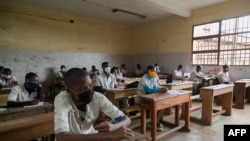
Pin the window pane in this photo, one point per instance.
(237, 57)
(237, 41)
(205, 58)
(243, 24)
(205, 44)
(228, 26)
(206, 29)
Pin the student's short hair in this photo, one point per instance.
(150, 68)
(63, 66)
(6, 70)
(74, 73)
(198, 66)
(180, 67)
(225, 66)
(104, 64)
(30, 75)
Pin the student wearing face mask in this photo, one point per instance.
(7, 79)
(77, 109)
(30, 93)
(149, 84)
(223, 76)
(60, 74)
(106, 80)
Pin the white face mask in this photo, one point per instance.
(63, 69)
(107, 69)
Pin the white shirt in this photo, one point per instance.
(106, 82)
(147, 81)
(194, 76)
(223, 77)
(177, 73)
(8, 82)
(139, 72)
(20, 94)
(68, 118)
(157, 69)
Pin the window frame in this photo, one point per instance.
(219, 36)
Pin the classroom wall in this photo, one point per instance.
(40, 40)
(168, 41)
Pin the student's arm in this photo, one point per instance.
(151, 90)
(12, 99)
(120, 134)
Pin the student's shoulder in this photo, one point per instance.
(63, 95)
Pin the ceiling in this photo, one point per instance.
(103, 9)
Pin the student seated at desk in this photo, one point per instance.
(7, 79)
(94, 72)
(117, 73)
(178, 74)
(139, 72)
(77, 109)
(30, 93)
(149, 84)
(223, 76)
(60, 74)
(106, 79)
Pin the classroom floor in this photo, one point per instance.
(213, 132)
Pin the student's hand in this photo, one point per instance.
(105, 127)
(34, 102)
(163, 90)
(121, 133)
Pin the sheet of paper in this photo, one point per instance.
(173, 92)
(39, 104)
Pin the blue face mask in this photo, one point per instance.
(32, 85)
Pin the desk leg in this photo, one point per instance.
(143, 120)
(227, 103)
(207, 108)
(153, 122)
(177, 115)
(187, 116)
(240, 89)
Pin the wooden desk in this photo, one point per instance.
(27, 128)
(240, 92)
(155, 102)
(131, 79)
(208, 81)
(4, 92)
(114, 95)
(224, 92)
(19, 112)
(186, 85)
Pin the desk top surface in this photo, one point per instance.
(181, 83)
(168, 94)
(243, 81)
(217, 87)
(5, 90)
(121, 90)
(10, 110)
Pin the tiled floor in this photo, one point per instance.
(212, 132)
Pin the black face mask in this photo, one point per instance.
(86, 97)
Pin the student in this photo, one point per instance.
(7, 79)
(148, 84)
(30, 93)
(61, 73)
(139, 72)
(117, 73)
(94, 72)
(106, 79)
(178, 74)
(197, 75)
(157, 69)
(124, 70)
(223, 76)
(77, 109)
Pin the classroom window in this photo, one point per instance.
(222, 42)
